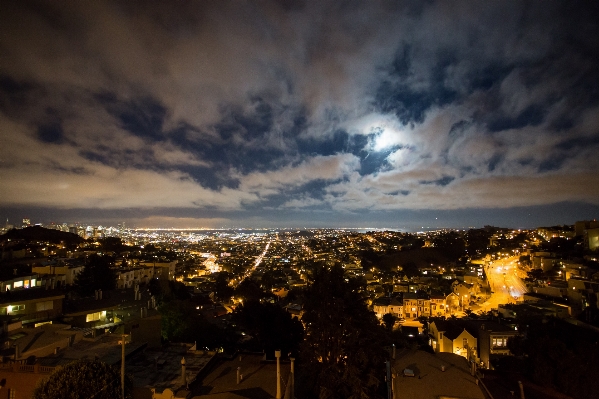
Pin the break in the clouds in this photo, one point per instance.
(296, 112)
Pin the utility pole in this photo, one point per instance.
(278, 356)
(389, 380)
(292, 378)
(123, 366)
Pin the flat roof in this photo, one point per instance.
(32, 340)
(105, 348)
(161, 368)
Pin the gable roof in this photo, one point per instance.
(450, 328)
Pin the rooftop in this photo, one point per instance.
(259, 379)
(105, 348)
(161, 368)
(29, 294)
(430, 381)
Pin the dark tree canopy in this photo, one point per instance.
(389, 321)
(84, 379)
(271, 326)
(249, 290)
(222, 289)
(342, 355)
(97, 274)
(182, 322)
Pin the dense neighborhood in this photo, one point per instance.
(71, 292)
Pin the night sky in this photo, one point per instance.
(299, 114)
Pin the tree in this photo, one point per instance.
(249, 290)
(166, 290)
(342, 355)
(222, 289)
(84, 379)
(389, 321)
(273, 327)
(97, 274)
(176, 317)
(112, 244)
(182, 322)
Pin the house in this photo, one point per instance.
(424, 304)
(248, 375)
(20, 282)
(59, 268)
(439, 375)
(464, 291)
(452, 336)
(393, 305)
(381, 306)
(161, 270)
(175, 368)
(129, 277)
(130, 311)
(438, 305)
(33, 305)
(396, 306)
(493, 339)
(19, 380)
(452, 302)
(410, 305)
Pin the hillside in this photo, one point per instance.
(41, 234)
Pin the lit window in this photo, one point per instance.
(12, 394)
(96, 316)
(18, 284)
(14, 308)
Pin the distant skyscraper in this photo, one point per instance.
(26, 223)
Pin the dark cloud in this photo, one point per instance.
(143, 117)
(256, 111)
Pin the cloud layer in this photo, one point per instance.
(258, 110)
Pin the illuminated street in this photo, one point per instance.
(506, 285)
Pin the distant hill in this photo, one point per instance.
(419, 257)
(422, 257)
(37, 233)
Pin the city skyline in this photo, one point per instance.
(293, 114)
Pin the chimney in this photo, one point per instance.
(14, 271)
(183, 375)
(99, 294)
(96, 294)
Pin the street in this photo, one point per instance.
(506, 285)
